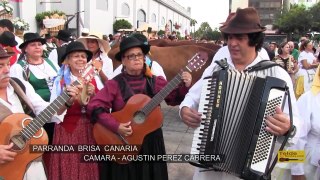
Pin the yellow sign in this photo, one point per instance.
(291, 156)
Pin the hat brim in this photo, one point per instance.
(6, 56)
(144, 47)
(22, 45)
(89, 54)
(63, 39)
(103, 45)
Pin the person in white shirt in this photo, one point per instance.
(309, 104)
(307, 67)
(156, 68)
(99, 48)
(63, 38)
(244, 36)
(10, 103)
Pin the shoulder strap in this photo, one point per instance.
(262, 65)
(20, 89)
(150, 86)
(223, 63)
(124, 89)
(25, 67)
(51, 64)
(4, 112)
(21, 85)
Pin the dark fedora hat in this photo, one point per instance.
(244, 21)
(7, 38)
(3, 53)
(76, 46)
(64, 35)
(131, 42)
(31, 37)
(230, 16)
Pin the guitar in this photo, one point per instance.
(143, 112)
(22, 130)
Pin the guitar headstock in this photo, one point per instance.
(197, 61)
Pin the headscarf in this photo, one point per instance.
(63, 78)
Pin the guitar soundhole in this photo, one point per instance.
(18, 141)
(139, 117)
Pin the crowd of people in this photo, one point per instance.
(47, 69)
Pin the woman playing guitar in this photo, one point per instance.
(75, 128)
(135, 79)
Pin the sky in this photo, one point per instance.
(212, 11)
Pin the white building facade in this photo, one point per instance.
(99, 15)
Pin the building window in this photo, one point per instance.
(102, 4)
(163, 21)
(125, 10)
(270, 5)
(153, 18)
(141, 16)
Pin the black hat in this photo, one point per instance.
(131, 42)
(7, 38)
(31, 37)
(64, 35)
(3, 53)
(47, 36)
(76, 46)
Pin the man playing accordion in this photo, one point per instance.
(244, 36)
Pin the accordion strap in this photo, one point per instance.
(262, 65)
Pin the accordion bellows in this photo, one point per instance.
(234, 107)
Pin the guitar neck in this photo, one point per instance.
(45, 116)
(159, 97)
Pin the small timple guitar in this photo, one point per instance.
(144, 113)
(22, 130)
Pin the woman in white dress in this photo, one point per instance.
(307, 68)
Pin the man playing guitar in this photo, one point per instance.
(15, 95)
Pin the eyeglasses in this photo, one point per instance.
(134, 56)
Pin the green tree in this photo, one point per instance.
(161, 32)
(121, 24)
(297, 21)
(193, 23)
(216, 35)
(204, 31)
(315, 16)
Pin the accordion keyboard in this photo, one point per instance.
(205, 108)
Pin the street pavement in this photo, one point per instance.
(178, 139)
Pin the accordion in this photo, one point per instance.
(234, 106)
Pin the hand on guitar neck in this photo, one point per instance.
(186, 78)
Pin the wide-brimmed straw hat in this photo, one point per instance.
(244, 21)
(103, 44)
(131, 42)
(31, 37)
(76, 46)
